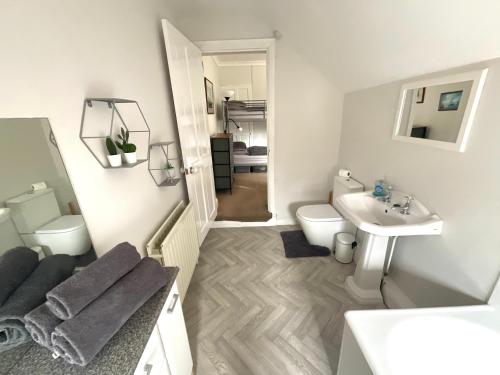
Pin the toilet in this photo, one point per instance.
(39, 222)
(321, 222)
(9, 238)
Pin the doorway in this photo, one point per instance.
(237, 82)
(239, 71)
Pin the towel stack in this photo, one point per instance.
(24, 281)
(85, 311)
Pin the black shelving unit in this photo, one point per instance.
(222, 159)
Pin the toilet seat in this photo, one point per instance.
(63, 224)
(319, 213)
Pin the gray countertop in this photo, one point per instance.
(120, 355)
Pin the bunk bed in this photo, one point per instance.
(245, 110)
(236, 111)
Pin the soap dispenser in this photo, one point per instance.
(379, 189)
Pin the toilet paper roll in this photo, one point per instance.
(38, 186)
(344, 173)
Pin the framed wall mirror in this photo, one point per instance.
(38, 207)
(439, 112)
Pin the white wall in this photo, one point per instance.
(461, 265)
(253, 76)
(259, 82)
(443, 125)
(60, 52)
(211, 72)
(27, 156)
(308, 118)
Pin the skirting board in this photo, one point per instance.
(394, 297)
(241, 224)
(288, 221)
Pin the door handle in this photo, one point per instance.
(172, 305)
(190, 170)
(147, 369)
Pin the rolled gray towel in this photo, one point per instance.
(78, 340)
(15, 266)
(12, 334)
(40, 323)
(30, 294)
(71, 296)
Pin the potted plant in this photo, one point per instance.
(114, 159)
(127, 148)
(170, 170)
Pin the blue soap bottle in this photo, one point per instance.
(379, 190)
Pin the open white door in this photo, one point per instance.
(186, 77)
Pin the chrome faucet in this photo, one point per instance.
(405, 208)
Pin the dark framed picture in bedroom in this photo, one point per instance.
(209, 94)
(420, 95)
(450, 101)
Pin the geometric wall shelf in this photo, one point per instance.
(160, 156)
(104, 117)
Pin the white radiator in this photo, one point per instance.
(175, 243)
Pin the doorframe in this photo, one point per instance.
(268, 45)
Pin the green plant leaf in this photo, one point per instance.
(110, 145)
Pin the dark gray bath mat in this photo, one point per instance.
(296, 245)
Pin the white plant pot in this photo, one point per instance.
(115, 160)
(130, 157)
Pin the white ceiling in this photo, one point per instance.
(356, 43)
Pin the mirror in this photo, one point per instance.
(439, 112)
(38, 207)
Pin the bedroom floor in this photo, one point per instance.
(249, 310)
(248, 201)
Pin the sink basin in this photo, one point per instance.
(376, 217)
(381, 222)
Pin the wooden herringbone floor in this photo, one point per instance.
(249, 310)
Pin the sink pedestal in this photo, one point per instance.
(364, 285)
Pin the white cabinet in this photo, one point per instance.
(167, 351)
(174, 335)
(153, 360)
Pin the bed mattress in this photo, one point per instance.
(250, 160)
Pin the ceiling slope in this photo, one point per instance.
(356, 44)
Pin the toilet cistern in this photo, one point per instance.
(39, 222)
(380, 222)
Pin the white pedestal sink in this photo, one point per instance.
(380, 222)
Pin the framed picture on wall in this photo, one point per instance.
(450, 101)
(420, 95)
(209, 94)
